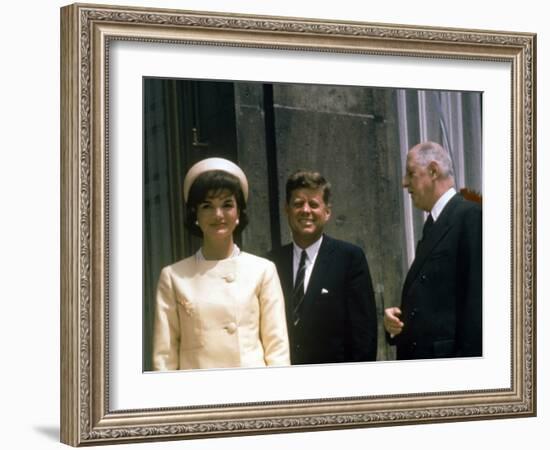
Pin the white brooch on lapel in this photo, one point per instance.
(229, 278)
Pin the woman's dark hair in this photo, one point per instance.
(213, 181)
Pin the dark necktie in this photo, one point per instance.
(298, 291)
(425, 231)
(427, 226)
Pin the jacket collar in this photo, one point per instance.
(440, 228)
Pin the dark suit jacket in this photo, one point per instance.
(441, 299)
(338, 314)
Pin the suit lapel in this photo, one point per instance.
(286, 271)
(284, 268)
(319, 272)
(440, 228)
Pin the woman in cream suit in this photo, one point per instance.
(221, 307)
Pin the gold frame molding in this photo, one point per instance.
(86, 32)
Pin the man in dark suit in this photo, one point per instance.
(331, 313)
(440, 314)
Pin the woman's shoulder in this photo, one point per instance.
(254, 261)
(181, 265)
(250, 262)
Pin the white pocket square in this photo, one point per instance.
(324, 291)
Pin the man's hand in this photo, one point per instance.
(392, 321)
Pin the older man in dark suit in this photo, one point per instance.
(331, 313)
(441, 313)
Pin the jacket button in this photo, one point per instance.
(423, 278)
(231, 328)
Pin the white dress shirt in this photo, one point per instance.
(312, 251)
(441, 203)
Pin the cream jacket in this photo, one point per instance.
(216, 314)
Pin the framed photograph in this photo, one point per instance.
(146, 93)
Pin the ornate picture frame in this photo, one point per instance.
(87, 34)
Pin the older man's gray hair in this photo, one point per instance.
(431, 151)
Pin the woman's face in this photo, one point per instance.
(218, 215)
